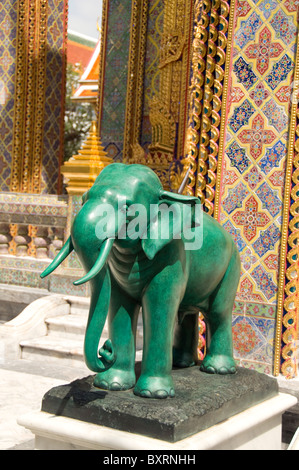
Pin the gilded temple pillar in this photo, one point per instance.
(33, 213)
(32, 84)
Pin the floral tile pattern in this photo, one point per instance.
(248, 28)
(257, 136)
(273, 158)
(53, 95)
(244, 73)
(284, 27)
(241, 115)
(280, 72)
(250, 219)
(238, 157)
(276, 115)
(115, 83)
(251, 204)
(264, 50)
(259, 94)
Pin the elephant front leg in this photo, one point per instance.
(160, 305)
(122, 322)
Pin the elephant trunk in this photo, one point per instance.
(99, 360)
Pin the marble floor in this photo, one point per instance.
(22, 388)
(19, 393)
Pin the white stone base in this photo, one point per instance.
(258, 428)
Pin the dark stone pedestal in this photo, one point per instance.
(201, 401)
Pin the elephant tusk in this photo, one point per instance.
(62, 255)
(102, 258)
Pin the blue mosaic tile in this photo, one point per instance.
(241, 115)
(279, 72)
(248, 30)
(267, 240)
(276, 115)
(238, 157)
(273, 157)
(284, 27)
(236, 234)
(244, 72)
(112, 150)
(235, 198)
(264, 282)
(269, 198)
(268, 7)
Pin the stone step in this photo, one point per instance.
(67, 326)
(64, 337)
(47, 348)
(79, 305)
(69, 352)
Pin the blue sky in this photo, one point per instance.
(83, 16)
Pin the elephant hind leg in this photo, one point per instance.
(219, 358)
(185, 340)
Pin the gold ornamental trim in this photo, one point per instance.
(40, 85)
(227, 60)
(30, 99)
(29, 96)
(211, 62)
(192, 160)
(19, 108)
(288, 276)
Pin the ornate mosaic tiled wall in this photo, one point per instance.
(113, 89)
(152, 72)
(32, 64)
(8, 22)
(51, 181)
(254, 166)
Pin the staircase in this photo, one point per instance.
(63, 339)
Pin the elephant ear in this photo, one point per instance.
(173, 215)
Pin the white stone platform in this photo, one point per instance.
(258, 428)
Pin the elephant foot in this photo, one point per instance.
(182, 359)
(218, 364)
(114, 379)
(154, 387)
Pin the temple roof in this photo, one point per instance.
(88, 89)
(80, 48)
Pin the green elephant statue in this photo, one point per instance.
(168, 257)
